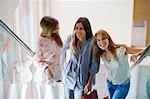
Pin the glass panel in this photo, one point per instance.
(15, 60)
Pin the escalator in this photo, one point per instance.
(17, 70)
(16, 60)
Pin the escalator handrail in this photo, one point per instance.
(141, 57)
(16, 37)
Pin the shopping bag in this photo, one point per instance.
(92, 95)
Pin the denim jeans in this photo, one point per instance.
(72, 94)
(118, 91)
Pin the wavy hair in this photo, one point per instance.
(48, 25)
(98, 52)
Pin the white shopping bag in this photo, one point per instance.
(54, 91)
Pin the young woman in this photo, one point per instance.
(81, 69)
(116, 62)
(48, 53)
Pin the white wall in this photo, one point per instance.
(7, 11)
(115, 16)
(139, 32)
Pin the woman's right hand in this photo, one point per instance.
(49, 73)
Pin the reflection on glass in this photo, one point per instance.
(15, 60)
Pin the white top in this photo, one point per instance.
(117, 71)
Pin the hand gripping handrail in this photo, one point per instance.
(146, 53)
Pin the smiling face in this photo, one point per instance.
(80, 32)
(102, 41)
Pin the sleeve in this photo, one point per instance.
(53, 57)
(50, 54)
(40, 55)
(94, 67)
(67, 44)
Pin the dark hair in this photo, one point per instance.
(98, 52)
(87, 27)
(56, 37)
(48, 25)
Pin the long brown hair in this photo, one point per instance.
(48, 25)
(98, 52)
(87, 27)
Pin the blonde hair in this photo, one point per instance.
(48, 25)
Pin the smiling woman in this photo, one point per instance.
(116, 63)
(79, 73)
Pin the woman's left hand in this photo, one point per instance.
(134, 57)
(89, 83)
(89, 86)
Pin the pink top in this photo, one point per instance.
(48, 54)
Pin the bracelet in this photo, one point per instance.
(46, 68)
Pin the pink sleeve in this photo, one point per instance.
(54, 55)
(48, 53)
(41, 53)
